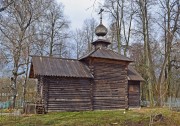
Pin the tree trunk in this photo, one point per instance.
(147, 51)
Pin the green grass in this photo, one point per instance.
(95, 118)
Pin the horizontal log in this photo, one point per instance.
(69, 100)
(101, 102)
(109, 107)
(68, 97)
(107, 95)
(69, 105)
(109, 98)
(74, 94)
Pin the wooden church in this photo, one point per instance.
(99, 80)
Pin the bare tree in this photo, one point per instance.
(78, 37)
(14, 25)
(143, 20)
(127, 22)
(116, 10)
(56, 27)
(89, 29)
(121, 14)
(84, 37)
(170, 13)
(5, 4)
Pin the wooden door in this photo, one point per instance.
(134, 94)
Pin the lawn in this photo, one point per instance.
(96, 118)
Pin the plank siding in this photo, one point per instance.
(134, 93)
(110, 84)
(68, 94)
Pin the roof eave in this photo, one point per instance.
(88, 77)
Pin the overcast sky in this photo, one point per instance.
(79, 10)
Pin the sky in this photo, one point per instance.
(79, 10)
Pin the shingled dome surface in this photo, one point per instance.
(101, 30)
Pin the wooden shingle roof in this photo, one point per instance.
(50, 66)
(106, 54)
(133, 74)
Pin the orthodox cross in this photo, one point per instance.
(101, 15)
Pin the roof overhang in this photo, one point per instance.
(133, 75)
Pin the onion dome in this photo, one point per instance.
(101, 30)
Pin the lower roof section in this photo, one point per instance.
(134, 75)
(51, 66)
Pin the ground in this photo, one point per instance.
(138, 117)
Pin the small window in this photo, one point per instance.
(133, 88)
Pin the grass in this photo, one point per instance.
(95, 118)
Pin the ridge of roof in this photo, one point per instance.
(51, 57)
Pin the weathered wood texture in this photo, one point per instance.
(42, 90)
(107, 90)
(68, 94)
(110, 84)
(134, 93)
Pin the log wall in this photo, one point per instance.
(134, 93)
(110, 84)
(107, 90)
(68, 94)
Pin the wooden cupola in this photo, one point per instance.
(101, 31)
